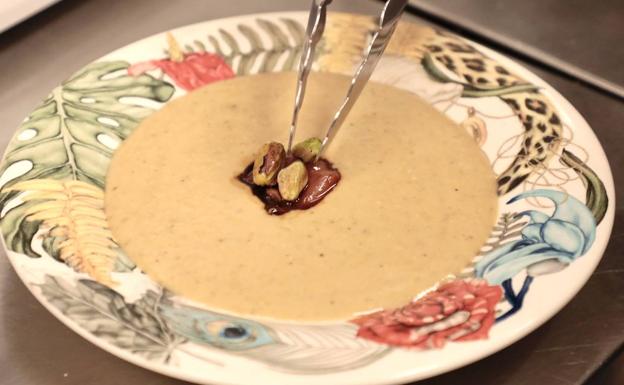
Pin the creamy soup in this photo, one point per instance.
(415, 203)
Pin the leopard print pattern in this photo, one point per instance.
(542, 126)
(346, 38)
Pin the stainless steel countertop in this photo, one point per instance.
(578, 37)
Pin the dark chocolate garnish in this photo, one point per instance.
(322, 178)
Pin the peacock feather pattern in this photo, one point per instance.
(286, 347)
(53, 174)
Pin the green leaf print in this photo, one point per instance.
(73, 133)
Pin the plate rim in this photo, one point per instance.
(564, 107)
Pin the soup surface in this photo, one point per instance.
(415, 203)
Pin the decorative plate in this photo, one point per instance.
(553, 178)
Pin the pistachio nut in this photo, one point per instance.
(269, 161)
(292, 180)
(308, 149)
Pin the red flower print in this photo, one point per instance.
(459, 310)
(188, 71)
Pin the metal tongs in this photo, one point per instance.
(316, 25)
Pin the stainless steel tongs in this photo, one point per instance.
(316, 25)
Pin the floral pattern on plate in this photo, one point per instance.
(55, 230)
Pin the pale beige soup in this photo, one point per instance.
(416, 201)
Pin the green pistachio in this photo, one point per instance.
(308, 149)
(269, 161)
(292, 180)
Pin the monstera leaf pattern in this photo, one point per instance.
(73, 133)
(71, 137)
(53, 176)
